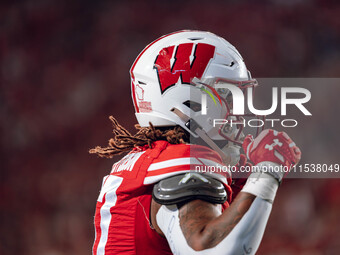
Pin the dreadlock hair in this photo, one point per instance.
(124, 141)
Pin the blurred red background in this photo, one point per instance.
(64, 70)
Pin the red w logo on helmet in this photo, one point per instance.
(183, 66)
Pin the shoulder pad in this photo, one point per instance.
(189, 186)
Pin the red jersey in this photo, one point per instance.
(122, 221)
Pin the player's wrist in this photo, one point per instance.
(263, 182)
(274, 169)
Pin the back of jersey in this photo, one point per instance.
(122, 212)
(123, 207)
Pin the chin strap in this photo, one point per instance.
(194, 127)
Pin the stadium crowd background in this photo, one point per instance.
(64, 69)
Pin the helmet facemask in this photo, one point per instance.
(225, 132)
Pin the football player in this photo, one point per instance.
(174, 193)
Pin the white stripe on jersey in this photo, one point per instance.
(218, 167)
(157, 178)
(185, 161)
(174, 162)
(110, 186)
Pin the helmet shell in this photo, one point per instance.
(163, 77)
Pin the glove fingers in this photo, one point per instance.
(292, 152)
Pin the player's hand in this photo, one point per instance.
(272, 146)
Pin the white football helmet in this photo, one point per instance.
(175, 81)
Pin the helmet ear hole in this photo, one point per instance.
(196, 107)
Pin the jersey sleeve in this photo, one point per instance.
(183, 158)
